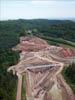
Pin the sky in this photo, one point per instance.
(37, 9)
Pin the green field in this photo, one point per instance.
(59, 42)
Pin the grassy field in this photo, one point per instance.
(59, 42)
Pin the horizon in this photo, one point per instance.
(52, 10)
(69, 19)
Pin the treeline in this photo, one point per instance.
(8, 82)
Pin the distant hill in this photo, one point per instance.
(11, 30)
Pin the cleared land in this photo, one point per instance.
(42, 65)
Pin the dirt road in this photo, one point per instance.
(19, 87)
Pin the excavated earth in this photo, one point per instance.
(42, 65)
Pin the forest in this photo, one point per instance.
(11, 30)
(8, 82)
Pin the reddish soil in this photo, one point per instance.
(32, 44)
(67, 52)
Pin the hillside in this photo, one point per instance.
(11, 30)
(55, 32)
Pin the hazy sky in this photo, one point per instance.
(29, 9)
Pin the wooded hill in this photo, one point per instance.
(11, 30)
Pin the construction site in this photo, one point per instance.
(42, 64)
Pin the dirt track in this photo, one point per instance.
(19, 87)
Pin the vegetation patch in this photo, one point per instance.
(8, 82)
(69, 75)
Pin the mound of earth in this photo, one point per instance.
(31, 44)
(62, 52)
(67, 52)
